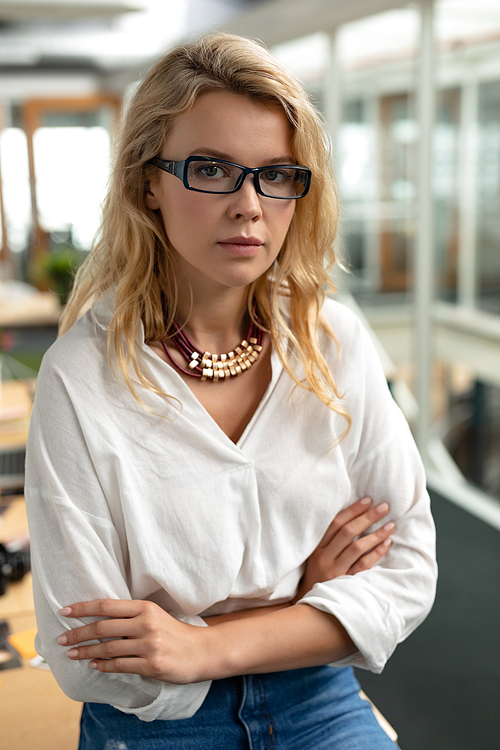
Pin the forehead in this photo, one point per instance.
(241, 129)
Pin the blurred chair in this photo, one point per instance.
(388, 729)
(12, 469)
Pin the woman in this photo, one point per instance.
(170, 488)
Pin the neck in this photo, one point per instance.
(215, 322)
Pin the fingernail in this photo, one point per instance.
(366, 501)
(72, 653)
(383, 508)
(93, 664)
(65, 611)
(62, 640)
(387, 542)
(389, 526)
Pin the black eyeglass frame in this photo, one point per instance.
(180, 169)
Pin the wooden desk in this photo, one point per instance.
(34, 712)
(15, 409)
(39, 309)
(18, 599)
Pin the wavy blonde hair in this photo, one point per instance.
(132, 253)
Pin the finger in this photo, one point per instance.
(103, 608)
(343, 517)
(346, 535)
(368, 561)
(350, 525)
(361, 546)
(128, 665)
(101, 629)
(108, 650)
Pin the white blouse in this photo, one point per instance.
(123, 503)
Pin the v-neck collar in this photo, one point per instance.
(191, 404)
(102, 312)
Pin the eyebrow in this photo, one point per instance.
(211, 152)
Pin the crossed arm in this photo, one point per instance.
(141, 638)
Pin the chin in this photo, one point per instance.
(242, 280)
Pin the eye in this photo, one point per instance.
(276, 176)
(211, 170)
(212, 176)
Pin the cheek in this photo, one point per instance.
(283, 224)
(183, 216)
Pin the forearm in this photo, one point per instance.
(242, 614)
(290, 637)
(138, 637)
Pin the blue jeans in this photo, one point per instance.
(303, 709)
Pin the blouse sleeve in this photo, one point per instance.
(380, 607)
(77, 555)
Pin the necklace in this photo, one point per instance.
(216, 367)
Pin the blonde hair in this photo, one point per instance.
(132, 253)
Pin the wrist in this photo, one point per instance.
(220, 652)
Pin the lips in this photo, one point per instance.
(241, 241)
(240, 246)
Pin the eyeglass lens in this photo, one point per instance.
(216, 177)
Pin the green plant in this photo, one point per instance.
(56, 270)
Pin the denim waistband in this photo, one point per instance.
(317, 708)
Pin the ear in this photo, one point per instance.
(150, 198)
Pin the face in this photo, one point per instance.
(210, 233)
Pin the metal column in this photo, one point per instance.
(468, 199)
(332, 95)
(424, 250)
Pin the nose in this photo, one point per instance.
(246, 201)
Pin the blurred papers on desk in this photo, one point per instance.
(22, 305)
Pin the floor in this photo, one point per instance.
(440, 690)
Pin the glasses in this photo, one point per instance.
(204, 175)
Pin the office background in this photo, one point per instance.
(411, 97)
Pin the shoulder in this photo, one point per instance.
(74, 347)
(341, 318)
(79, 355)
(84, 346)
(348, 328)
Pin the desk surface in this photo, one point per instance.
(15, 409)
(42, 309)
(34, 712)
(18, 599)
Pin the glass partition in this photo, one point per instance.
(72, 168)
(366, 87)
(376, 140)
(467, 237)
(446, 190)
(488, 203)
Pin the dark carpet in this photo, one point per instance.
(441, 688)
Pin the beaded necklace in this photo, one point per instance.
(216, 367)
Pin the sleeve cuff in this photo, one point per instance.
(173, 702)
(192, 620)
(372, 623)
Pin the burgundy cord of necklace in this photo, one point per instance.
(216, 367)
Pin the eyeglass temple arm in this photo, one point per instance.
(172, 167)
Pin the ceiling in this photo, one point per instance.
(115, 40)
(279, 21)
(19, 11)
(107, 35)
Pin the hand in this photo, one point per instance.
(342, 551)
(146, 641)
